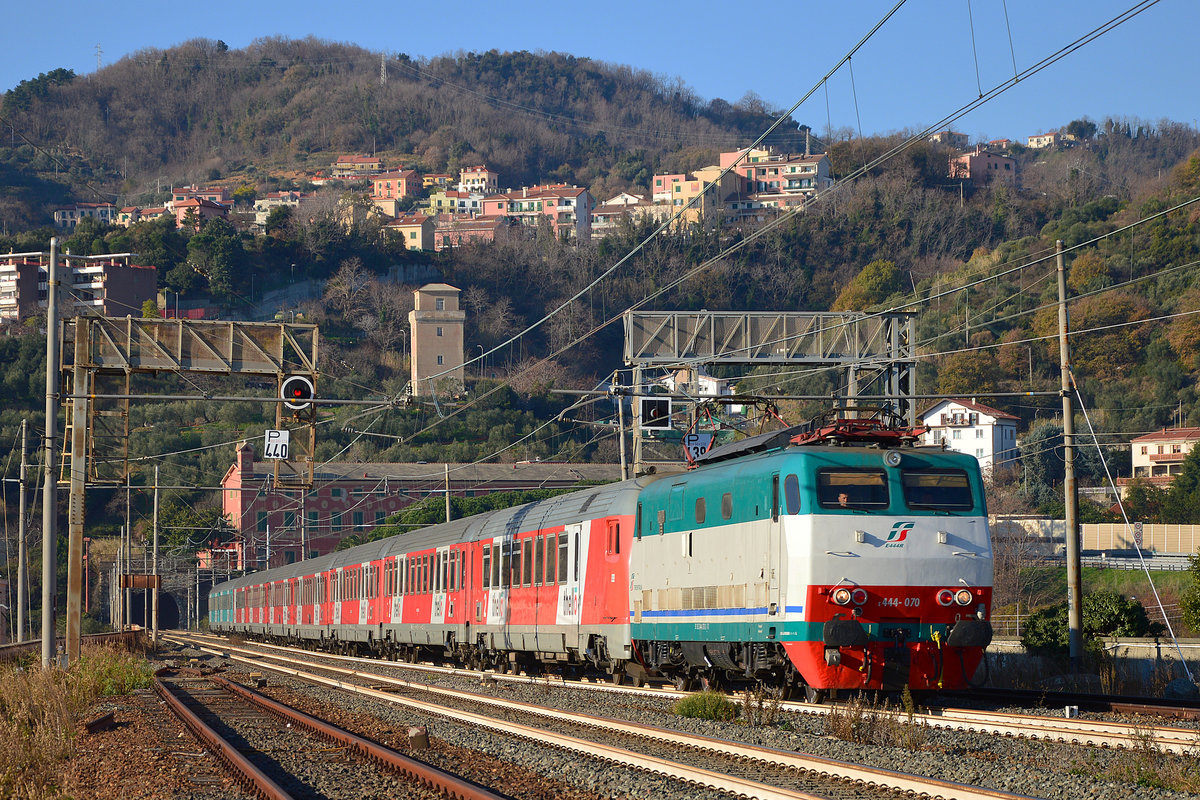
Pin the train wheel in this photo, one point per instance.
(813, 695)
(710, 681)
(682, 682)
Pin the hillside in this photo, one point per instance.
(201, 111)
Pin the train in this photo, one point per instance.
(816, 559)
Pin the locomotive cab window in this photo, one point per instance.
(852, 488)
(942, 489)
(791, 494)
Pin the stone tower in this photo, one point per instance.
(437, 340)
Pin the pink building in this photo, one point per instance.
(215, 194)
(568, 209)
(396, 184)
(451, 230)
(203, 210)
(352, 498)
(983, 166)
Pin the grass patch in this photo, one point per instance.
(706, 705)
(1144, 764)
(41, 711)
(863, 722)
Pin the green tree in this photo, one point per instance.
(1081, 129)
(1189, 603)
(245, 195)
(217, 253)
(1182, 503)
(1104, 614)
(877, 281)
(1144, 501)
(150, 310)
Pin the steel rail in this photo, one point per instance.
(252, 779)
(885, 779)
(1083, 732)
(444, 782)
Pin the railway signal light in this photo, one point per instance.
(297, 392)
(655, 413)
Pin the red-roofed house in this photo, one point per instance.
(965, 426)
(415, 230)
(1158, 457)
(131, 215)
(1051, 139)
(354, 167)
(439, 180)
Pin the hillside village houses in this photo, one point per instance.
(469, 206)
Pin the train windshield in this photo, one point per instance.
(852, 488)
(945, 489)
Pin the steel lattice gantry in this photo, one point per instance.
(850, 341)
(104, 353)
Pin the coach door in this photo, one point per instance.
(774, 565)
(572, 566)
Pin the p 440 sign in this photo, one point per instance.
(276, 444)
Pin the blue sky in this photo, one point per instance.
(917, 69)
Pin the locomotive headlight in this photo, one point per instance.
(841, 596)
(945, 597)
(859, 596)
(892, 458)
(963, 597)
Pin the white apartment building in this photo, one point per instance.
(965, 426)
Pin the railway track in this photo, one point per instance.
(731, 767)
(277, 752)
(1078, 731)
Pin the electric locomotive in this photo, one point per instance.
(818, 558)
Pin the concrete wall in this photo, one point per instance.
(1133, 666)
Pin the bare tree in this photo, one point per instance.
(347, 291)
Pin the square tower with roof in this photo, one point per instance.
(436, 323)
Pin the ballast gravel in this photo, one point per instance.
(1036, 769)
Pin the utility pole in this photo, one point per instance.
(447, 492)
(1070, 490)
(621, 425)
(80, 411)
(22, 546)
(49, 485)
(154, 568)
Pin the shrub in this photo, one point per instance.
(706, 705)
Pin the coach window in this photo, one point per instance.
(700, 510)
(527, 563)
(637, 522)
(791, 494)
(514, 574)
(562, 557)
(439, 571)
(539, 569)
(727, 506)
(496, 566)
(614, 537)
(487, 566)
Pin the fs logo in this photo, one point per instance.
(898, 534)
